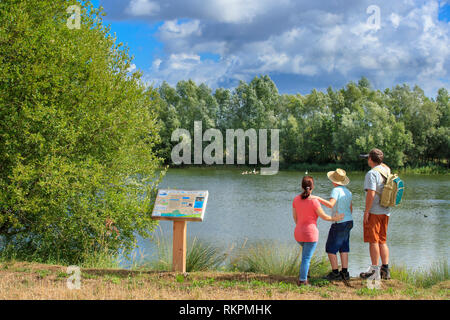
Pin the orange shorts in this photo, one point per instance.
(375, 230)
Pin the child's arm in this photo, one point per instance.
(351, 207)
(329, 204)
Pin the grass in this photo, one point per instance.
(200, 256)
(25, 280)
(103, 259)
(268, 257)
(427, 169)
(422, 278)
(264, 257)
(260, 270)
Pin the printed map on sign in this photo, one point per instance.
(180, 204)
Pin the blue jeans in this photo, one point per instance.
(307, 253)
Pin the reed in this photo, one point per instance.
(422, 278)
(271, 258)
(200, 255)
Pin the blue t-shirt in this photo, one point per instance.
(343, 198)
(375, 181)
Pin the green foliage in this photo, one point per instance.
(320, 128)
(78, 134)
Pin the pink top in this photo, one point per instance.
(306, 228)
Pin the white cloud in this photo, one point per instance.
(395, 20)
(142, 8)
(172, 29)
(328, 41)
(239, 11)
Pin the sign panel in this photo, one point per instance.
(180, 205)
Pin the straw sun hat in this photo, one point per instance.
(339, 177)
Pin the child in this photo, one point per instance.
(339, 234)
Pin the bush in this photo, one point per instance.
(77, 135)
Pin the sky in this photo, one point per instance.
(300, 44)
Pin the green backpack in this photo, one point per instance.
(393, 189)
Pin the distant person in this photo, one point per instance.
(376, 217)
(305, 211)
(339, 234)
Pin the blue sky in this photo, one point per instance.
(301, 45)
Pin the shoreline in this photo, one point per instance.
(423, 170)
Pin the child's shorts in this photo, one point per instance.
(339, 237)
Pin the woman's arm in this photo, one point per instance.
(294, 215)
(326, 217)
(351, 207)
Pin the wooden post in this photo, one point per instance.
(179, 246)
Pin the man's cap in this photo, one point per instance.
(375, 154)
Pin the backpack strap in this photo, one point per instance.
(383, 173)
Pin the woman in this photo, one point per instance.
(305, 212)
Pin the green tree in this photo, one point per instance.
(168, 119)
(77, 134)
(420, 116)
(439, 142)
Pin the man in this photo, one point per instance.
(376, 217)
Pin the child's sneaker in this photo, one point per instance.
(334, 276)
(344, 275)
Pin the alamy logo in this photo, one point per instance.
(374, 20)
(74, 21)
(181, 153)
(374, 281)
(74, 281)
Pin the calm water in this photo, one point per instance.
(260, 208)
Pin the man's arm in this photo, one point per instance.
(369, 201)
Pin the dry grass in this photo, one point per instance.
(20, 280)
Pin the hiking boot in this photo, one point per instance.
(370, 272)
(334, 276)
(385, 273)
(344, 275)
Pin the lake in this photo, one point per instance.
(256, 207)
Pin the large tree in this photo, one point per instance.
(77, 135)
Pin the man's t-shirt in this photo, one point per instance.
(375, 181)
(343, 198)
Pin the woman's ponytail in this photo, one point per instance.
(307, 185)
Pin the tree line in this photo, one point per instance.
(320, 127)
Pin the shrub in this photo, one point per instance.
(77, 133)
